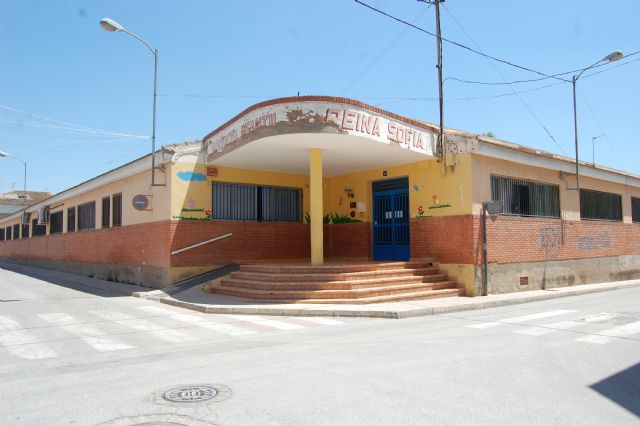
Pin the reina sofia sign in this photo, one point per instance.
(318, 117)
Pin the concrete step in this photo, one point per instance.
(330, 276)
(333, 285)
(417, 295)
(351, 294)
(335, 268)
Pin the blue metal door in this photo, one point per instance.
(391, 220)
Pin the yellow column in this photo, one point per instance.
(315, 206)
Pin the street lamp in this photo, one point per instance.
(593, 148)
(4, 154)
(112, 26)
(613, 56)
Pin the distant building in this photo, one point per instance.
(11, 202)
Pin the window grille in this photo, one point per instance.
(25, 231)
(117, 210)
(234, 202)
(635, 209)
(37, 230)
(1, 234)
(280, 204)
(106, 212)
(596, 205)
(55, 222)
(71, 219)
(526, 198)
(16, 231)
(87, 215)
(8, 234)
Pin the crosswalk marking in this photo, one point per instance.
(567, 325)
(255, 319)
(229, 329)
(523, 318)
(318, 320)
(611, 334)
(22, 343)
(89, 334)
(173, 336)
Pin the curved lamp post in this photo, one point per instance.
(4, 154)
(112, 26)
(613, 56)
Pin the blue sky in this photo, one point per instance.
(74, 99)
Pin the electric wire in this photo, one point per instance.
(493, 58)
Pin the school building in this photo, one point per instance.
(324, 185)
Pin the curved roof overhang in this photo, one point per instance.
(278, 134)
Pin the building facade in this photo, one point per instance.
(321, 178)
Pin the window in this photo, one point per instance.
(8, 233)
(635, 209)
(526, 198)
(1, 234)
(71, 219)
(116, 216)
(16, 231)
(106, 212)
(87, 216)
(596, 205)
(37, 230)
(261, 203)
(55, 223)
(25, 230)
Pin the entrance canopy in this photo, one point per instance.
(278, 135)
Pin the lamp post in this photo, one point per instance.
(613, 56)
(112, 26)
(4, 154)
(593, 148)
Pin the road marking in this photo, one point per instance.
(21, 343)
(607, 336)
(523, 318)
(173, 336)
(322, 321)
(90, 335)
(567, 325)
(280, 325)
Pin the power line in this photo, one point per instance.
(533, 114)
(456, 43)
(382, 53)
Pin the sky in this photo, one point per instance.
(76, 101)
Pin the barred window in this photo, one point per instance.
(253, 202)
(106, 212)
(25, 231)
(71, 219)
(117, 210)
(8, 234)
(87, 215)
(635, 209)
(526, 198)
(16, 231)
(55, 222)
(37, 230)
(1, 234)
(596, 205)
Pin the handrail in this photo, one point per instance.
(201, 243)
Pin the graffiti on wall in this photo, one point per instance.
(551, 241)
(594, 242)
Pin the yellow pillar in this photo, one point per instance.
(315, 206)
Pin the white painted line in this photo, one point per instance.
(156, 310)
(523, 318)
(567, 325)
(173, 336)
(21, 343)
(609, 335)
(318, 320)
(232, 330)
(256, 319)
(89, 334)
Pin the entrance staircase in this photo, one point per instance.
(338, 283)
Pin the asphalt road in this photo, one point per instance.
(72, 355)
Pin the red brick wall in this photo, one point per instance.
(144, 244)
(518, 239)
(347, 240)
(448, 239)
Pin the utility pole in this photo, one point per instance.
(441, 148)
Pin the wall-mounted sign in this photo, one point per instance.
(140, 202)
(212, 171)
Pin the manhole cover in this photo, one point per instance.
(190, 394)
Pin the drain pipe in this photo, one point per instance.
(485, 262)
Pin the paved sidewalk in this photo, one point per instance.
(196, 299)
